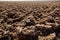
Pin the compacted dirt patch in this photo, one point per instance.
(29, 20)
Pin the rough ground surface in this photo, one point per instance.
(29, 20)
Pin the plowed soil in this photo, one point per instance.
(29, 20)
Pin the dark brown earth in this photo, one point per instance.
(29, 20)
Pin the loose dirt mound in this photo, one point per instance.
(29, 21)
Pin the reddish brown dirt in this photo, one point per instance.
(29, 20)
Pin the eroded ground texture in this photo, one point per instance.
(29, 20)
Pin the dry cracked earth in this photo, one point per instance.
(29, 20)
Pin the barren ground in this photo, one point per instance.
(29, 20)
